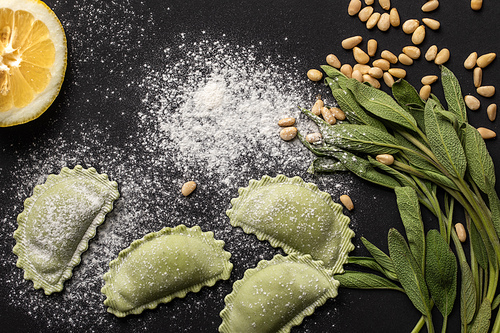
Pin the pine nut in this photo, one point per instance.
(372, 47)
(371, 80)
(386, 4)
(188, 188)
(316, 109)
(360, 56)
(386, 159)
(412, 52)
(471, 61)
(314, 75)
(409, 26)
(364, 69)
(365, 13)
(486, 91)
(354, 7)
(462, 235)
(425, 92)
(472, 102)
(388, 79)
(356, 74)
(431, 53)
(346, 69)
(384, 23)
(486, 133)
(442, 57)
(394, 18)
(313, 137)
(405, 60)
(492, 112)
(430, 6)
(476, 4)
(376, 72)
(351, 42)
(389, 56)
(383, 64)
(431, 23)
(285, 122)
(478, 77)
(418, 35)
(369, 2)
(429, 79)
(333, 61)
(397, 72)
(486, 59)
(338, 113)
(288, 133)
(347, 202)
(372, 21)
(328, 116)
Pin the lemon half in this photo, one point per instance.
(33, 57)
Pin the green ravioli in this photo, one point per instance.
(162, 266)
(57, 223)
(277, 295)
(295, 216)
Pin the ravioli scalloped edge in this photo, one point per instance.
(346, 232)
(332, 292)
(115, 264)
(20, 249)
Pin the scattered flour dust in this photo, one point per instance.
(219, 117)
(209, 112)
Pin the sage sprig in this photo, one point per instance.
(440, 159)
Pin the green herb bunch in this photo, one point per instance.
(433, 148)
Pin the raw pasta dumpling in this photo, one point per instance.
(162, 266)
(57, 223)
(296, 216)
(277, 295)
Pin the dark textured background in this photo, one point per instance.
(308, 30)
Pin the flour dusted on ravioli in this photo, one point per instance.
(296, 216)
(57, 223)
(162, 266)
(277, 295)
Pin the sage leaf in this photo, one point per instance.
(381, 105)
(495, 303)
(326, 165)
(481, 323)
(361, 280)
(444, 141)
(467, 294)
(409, 273)
(361, 168)
(478, 247)
(409, 210)
(360, 138)
(402, 178)
(453, 94)
(372, 264)
(495, 208)
(405, 94)
(481, 166)
(408, 97)
(353, 111)
(383, 259)
(440, 272)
